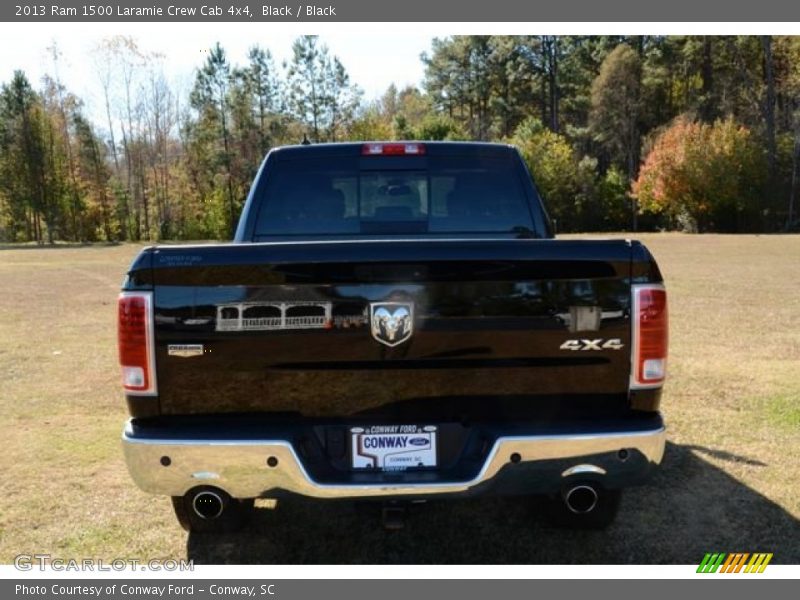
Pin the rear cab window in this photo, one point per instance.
(356, 195)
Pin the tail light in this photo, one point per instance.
(400, 149)
(650, 336)
(135, 340)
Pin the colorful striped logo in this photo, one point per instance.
(734, 563)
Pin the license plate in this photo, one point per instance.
(393, 447)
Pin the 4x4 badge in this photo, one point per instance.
(391, 323)
(600, 344)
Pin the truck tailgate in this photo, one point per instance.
(506, 329)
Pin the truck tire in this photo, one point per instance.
(231, 514)
(601, 515)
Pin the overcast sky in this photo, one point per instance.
(373, 59)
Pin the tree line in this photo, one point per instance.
(697, 133)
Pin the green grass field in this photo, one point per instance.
(730, 479)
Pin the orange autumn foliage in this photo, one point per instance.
(708, 174)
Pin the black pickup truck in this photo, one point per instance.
(393, 321)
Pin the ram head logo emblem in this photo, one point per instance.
(391, 322)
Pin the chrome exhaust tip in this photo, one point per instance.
(581, 499)
(208, 505)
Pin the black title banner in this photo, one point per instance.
(408, 10)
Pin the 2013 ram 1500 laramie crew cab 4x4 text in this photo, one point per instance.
(393, 321)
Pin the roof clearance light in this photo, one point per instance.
(402, 149)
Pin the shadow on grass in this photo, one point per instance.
(690, 507)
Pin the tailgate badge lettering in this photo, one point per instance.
(391, 323)
(599, 344)
(185, 350)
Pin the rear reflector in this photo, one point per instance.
(401, 149)
(135, 341)
(650, 336)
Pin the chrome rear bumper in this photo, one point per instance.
(251, 468)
